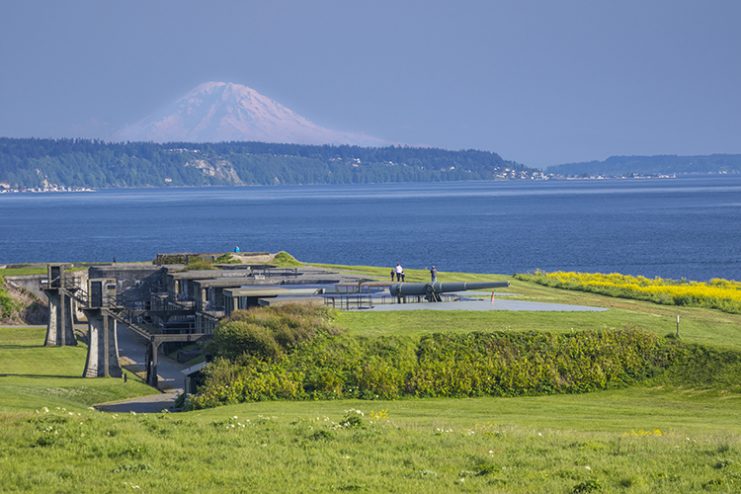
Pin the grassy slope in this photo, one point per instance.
(32, 375)
(561, 443)
(636, 440)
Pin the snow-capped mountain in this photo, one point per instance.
(224, 111)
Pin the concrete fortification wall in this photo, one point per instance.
(133, 282)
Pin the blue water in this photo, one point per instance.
(672, 228)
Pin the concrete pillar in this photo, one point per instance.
(152, 351)
(102, 351)
(204, 299)
(51, 328)
(60, 330)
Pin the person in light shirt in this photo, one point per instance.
(399, 272)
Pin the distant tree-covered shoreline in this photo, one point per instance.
(48, 163)
(626, 166)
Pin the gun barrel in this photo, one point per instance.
(402, 289)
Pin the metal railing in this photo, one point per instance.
(349, 301)
(206, 323)
(359, 301)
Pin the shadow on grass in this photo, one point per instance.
(139, 405)
(42, 376)
(19, 347)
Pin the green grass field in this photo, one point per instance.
(642, 439)
(697, 325)
(32, 375)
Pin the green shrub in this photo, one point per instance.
(286, 260)
(199, 263)
(270, 332)
(327, 365)
(235, 338)
(8, 306)
(226, 258)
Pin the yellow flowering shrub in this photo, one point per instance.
(717, 293)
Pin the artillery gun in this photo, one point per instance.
(432, 291)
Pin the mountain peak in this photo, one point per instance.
(224, 87)
(225, 111)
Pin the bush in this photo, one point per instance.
(286, 260)
(328, 365)
(270, 332)
(8, 306)
(235, 338)
(199, 263)
(226, 258)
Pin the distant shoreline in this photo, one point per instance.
(637, 178)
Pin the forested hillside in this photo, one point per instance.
(623, 166)
(50, 163)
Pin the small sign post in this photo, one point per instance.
(677, 325)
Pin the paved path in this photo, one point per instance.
(141, 404)
(133, 350)
(486, 305)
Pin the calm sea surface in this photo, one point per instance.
(673, 228)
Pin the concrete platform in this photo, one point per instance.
(486, 305)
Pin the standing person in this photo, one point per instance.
(393, 273)
(399, 271)
(433, 273)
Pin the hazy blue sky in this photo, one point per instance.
(539, 82)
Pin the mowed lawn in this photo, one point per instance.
(32, 375)
(643, 439)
